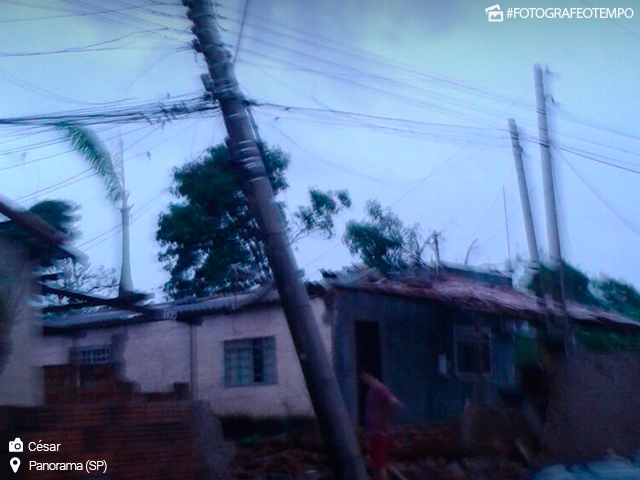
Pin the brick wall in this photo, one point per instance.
(595, 407)
(138, 440)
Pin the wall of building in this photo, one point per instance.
(153, 355)
(412, 335)
(594, 408)
(156, 355)
(20, 382)
(288, 396)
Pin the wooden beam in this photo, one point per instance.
(127, 302)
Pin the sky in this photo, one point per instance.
(405, 102)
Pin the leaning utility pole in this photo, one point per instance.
(331, 413)
(532, 243)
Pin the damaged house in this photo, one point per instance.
(436, 338)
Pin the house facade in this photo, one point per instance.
(438, 337)
(433, 355)
(241, 360)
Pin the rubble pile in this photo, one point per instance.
(283, 456)
(418, 453)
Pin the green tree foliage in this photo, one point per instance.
(61, 215)
(618, 296)
(378, 240)
(577, 285)
(606, 293)
(210, 238)
(382, 241)
(93, 151)
(318, 217)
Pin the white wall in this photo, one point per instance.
(288, 397)
(156, 355)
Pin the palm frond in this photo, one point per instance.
(89, 146)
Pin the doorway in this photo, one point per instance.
(368, 359)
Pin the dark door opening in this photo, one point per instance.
(368, 358)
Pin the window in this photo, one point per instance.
(250, 361)
(92, 355)
(466, 350)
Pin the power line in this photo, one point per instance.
(85, 48)
(74, 179)
(135, 217)
(630, 225)
(137, 213)
(70, 15)
(59, 141)
(597, 160)
(288, 108)
(242, 25)
(155, 112)
(338, 166)
(23, 84)
(368, 56)
(387, 63)
(127, 22)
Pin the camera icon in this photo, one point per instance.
(16, 445)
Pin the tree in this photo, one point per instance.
(59, 214)
(93, 151)
(606, 293)
(618, 296)
(210, 238)
(382, 241)
(99, 281)
(577, 285)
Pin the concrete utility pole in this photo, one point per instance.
(532, 243)
(331, 413)
(506, 222)
(553, 231)
(435, 241)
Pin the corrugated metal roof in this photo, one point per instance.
(184, 308)
(481, 297)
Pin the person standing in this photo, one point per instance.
(380, 405)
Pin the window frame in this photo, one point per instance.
(78, 354)
(229, 380)
(461, 333)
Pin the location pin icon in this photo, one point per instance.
(15, 464)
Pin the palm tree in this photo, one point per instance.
(91, 148)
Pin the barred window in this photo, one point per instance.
(466, 350)
(92, 355)
(250, 361)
